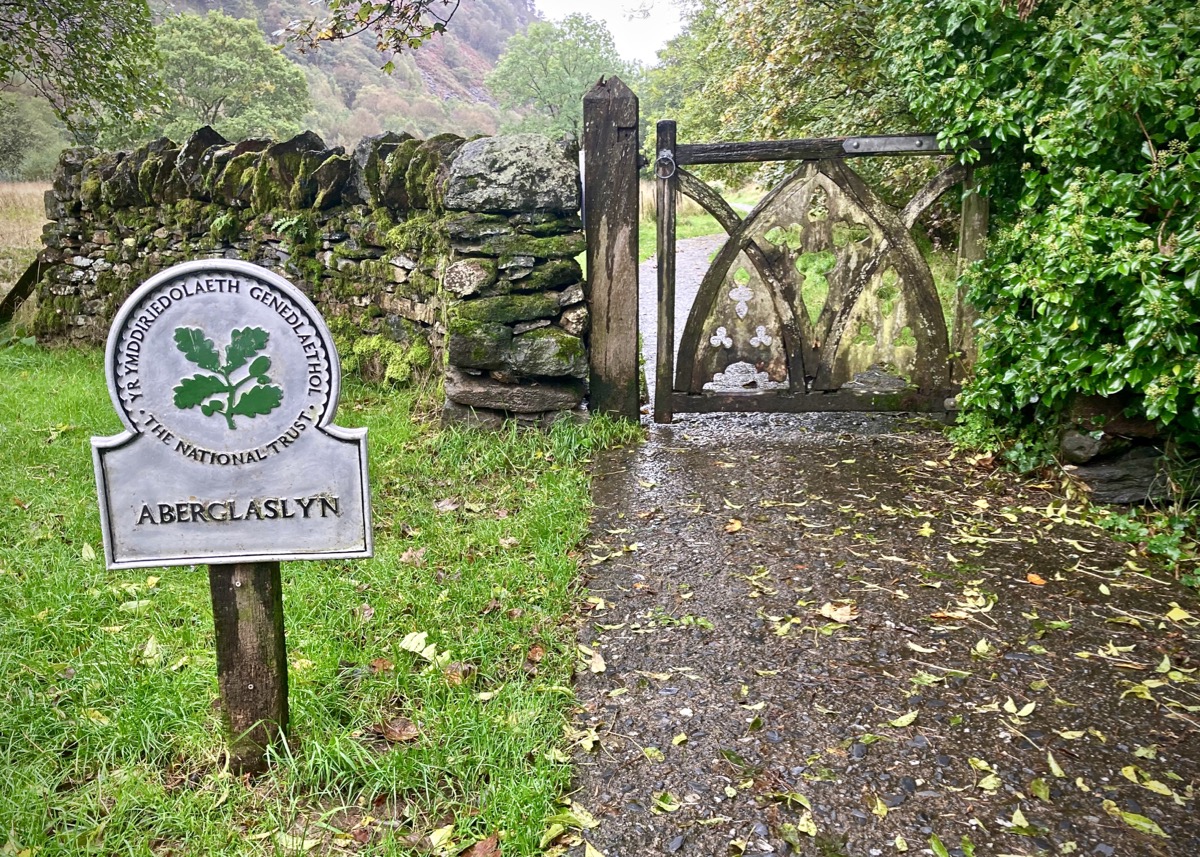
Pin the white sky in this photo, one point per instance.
(639, 27)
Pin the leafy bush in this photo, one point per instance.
(1089, 110)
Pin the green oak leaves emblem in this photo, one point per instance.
(215, 391)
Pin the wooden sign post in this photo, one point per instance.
(227, 381)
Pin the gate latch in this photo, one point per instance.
(664, 167)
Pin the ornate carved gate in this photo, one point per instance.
(819, 300)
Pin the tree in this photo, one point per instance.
(220, 71)
(547, 69)
(396, 24)
(31, 138)
(769, 68)
(1092, 281)
(85, 57)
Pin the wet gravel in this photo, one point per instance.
(773, 597)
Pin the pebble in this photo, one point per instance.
(674, 845)
(858, 750)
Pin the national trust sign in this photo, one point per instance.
(227, 381)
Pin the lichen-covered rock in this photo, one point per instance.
(521, 172)
(98, 171)
(508, 309)
(478, 345)
(548, 275)
(191, 156)
(468, 277)
(284, 176)
(575, 320)
(392, 190)
(331, 177)
(234, 185)
(370, 155)
(471, 226)
(429, 170)
(480, 391)
(548, 352)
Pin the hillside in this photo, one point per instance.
(436, 89)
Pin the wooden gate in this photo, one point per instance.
(819, 300)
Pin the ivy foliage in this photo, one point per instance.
(1090, 285)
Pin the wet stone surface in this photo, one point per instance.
(828, 635)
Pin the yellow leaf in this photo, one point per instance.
(880, 809)
(442, 836)
(1177, 613)
(681, 738)
(733, 526)
(1055, 768)
(590, 850)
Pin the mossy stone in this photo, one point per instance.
(392, 190)
(508, 309)
(478, 344)
(428, 170)
(541, 247)
(548, 352)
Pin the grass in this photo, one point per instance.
(691, 220)
(22, 214)
(109, 738)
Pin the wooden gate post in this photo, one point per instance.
(972, 245)
(247, 600)
(610, 211)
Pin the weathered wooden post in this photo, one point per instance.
(666, 188)
(610, 181)
(226, 379)
(972, 245)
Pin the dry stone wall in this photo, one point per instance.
(442, 255)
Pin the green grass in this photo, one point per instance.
(109, 739)
(22, 213)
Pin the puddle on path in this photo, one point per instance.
(823, 635)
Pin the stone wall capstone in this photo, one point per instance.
(441, 255)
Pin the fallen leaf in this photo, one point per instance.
(413, 556)
(1137, 822)
(87, 553)
(441, 836)
(364, 612)
(843, 611)
(399, 730)
(1035, 579)
(458, 672)
(380, 665)
(290, 844)
(655, 755)
(733, 526)
(445, 505)
(592, 658)
(489, 847)
(904, 720)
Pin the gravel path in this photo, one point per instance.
(830, 635)
(691, 261)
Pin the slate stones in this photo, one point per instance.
(521, 172)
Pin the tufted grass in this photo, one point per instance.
(21, 217)
(109, 736)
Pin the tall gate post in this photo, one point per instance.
(610, 212)
(972, 245)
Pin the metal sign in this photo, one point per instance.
(227, 381)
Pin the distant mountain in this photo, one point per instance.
(435, 89)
